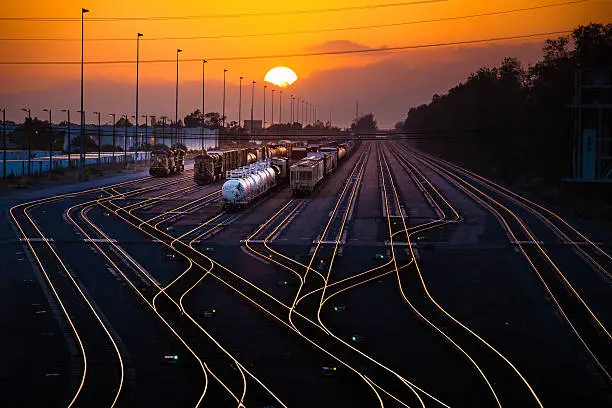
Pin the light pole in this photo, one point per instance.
(203, 89)
(252, 104)
(82, 111)
(178, 50)
(114, 135)
(264, 107)
(291, 108)
(125, 127)
(223, 112)
(272, 120)
(163, 118)
(68, 112)
(298, 111)
(50, 142)
(99, 139)
(240, 102)
(29, 141)
(138, 35)
(146, 118)
(4, 143)
(307, 113)
(280, 107)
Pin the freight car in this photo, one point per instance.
(306, 175)
(163, 163)
(213, 165)
(246, 184)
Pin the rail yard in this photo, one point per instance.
(342, 274)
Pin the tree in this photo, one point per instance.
(364, 124)
(212, 120)
(90, 144)
(194, 119)
(122, 122)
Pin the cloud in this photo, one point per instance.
(338, 45)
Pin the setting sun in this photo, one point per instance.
(281, 76)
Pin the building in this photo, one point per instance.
(592, 121)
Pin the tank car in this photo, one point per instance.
(246, 184)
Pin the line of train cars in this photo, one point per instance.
(303, 167)
(214, 164)
(319, 161)
(165, 162)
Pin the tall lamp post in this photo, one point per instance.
(4, 143)
(99, 138)
(114, 134)
(178, 50)
(69, 137)
(240, 102)
(29, 141)
(125, 132)
(223, 112)
(272, 120)
(252, 104)
(163, 118)
(50, 143)
(280, 107)
(264, 107)
(203, 86)
(146, 118)
(138, 35)
(82, 111)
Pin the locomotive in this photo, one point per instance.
(165, 162)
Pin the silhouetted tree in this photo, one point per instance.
(122, 122)
(364, 124)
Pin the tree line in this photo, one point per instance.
(513, 120)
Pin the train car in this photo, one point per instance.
(162, 163)
(207, 168)
(306, 175)
(248, 183)
(334, 152)
(282, 163)
(329, 162)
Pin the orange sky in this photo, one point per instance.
(16, 78)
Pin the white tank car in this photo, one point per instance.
(247, 183)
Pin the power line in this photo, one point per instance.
(213, 37)
(223, 16)
(311, 54)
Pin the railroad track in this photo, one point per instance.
(581, 319)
